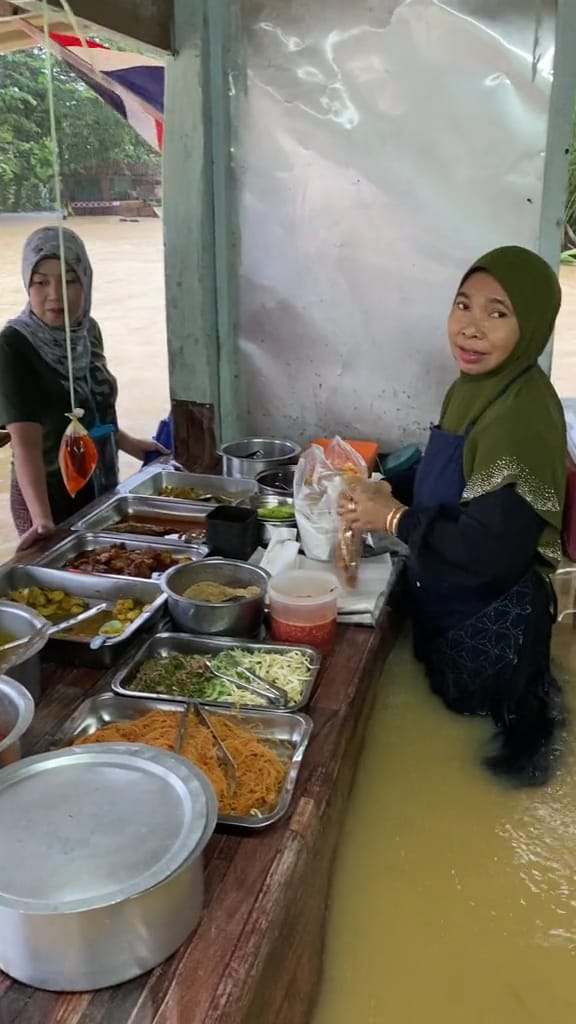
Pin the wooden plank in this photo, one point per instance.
(225, 49)
(188, 216)
(147, 21)
(195, 436)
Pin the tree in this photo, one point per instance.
(92, 138)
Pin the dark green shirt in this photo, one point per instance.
(32, 392)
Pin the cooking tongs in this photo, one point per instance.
(252, 683)
(227, 762)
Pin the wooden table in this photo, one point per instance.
(256, 956)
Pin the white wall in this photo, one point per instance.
(382, 146)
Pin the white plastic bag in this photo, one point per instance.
(317, 484)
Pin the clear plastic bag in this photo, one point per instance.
(78, 455)
(319, 479)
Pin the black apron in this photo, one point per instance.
(468, 638)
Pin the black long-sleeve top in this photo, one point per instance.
(489, 542)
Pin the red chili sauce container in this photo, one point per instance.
(303, 608)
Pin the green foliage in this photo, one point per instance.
(93, 139)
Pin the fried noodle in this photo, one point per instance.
(259, 771)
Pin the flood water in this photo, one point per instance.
(454, 899)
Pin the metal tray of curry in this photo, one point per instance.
(134, 558)
(172, 651)
(169, 485)
(128, 515)
(285, 735)
(137, 604)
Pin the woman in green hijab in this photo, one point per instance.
(483, 523)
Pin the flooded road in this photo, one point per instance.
(128, 303)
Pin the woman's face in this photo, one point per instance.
(482, 326)
(45, 293)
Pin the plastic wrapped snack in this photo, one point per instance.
(78, 455)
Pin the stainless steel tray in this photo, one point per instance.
(93, 589)
(125, 505)
(280, 729)
(151, 484)
(57, 557)
(182, 643)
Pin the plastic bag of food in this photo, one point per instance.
(78, 455)
(319, 478)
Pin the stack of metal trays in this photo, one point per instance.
(286, 734)
(164, 645)
(102, 876)
(93, 590)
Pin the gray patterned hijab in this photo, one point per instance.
(50, 342)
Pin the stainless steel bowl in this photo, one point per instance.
(16, 714)
(268, 528)
(272, 452)
(23, 663)
(277, 481)
(241, 617)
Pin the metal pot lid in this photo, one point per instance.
(89, 826)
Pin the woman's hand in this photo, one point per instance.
(37, 533)
(138, 447)
(367, 505)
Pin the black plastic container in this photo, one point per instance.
(232, 531)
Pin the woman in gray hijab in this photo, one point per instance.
(34, 387)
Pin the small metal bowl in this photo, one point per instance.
(268, 527)
(242, 617)
(277, 481)
(16, 713)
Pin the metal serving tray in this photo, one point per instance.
(93, 589)
(182, 643)
(152, 483)
(125, 505)
(57, 557)
(280, 729)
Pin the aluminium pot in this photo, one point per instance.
(266, 453)
(23, 663)
(241, 617)
(16, 714)
(103, 879)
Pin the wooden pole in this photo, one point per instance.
(198, 210)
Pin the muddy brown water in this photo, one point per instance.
(454, 899)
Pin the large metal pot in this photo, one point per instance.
(241, 617)
(102, 873)
(23, 663)
(271, 452)
(16, 714)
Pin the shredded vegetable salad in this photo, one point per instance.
(185, 675)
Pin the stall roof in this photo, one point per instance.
(149, 22)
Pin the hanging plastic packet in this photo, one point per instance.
(347, 554)
(78, 454)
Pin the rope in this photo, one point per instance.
(58, 183)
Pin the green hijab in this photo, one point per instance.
(519, 437)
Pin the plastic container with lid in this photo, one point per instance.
(303, 608)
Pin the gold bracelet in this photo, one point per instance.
(393, 518)
(400, 512)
